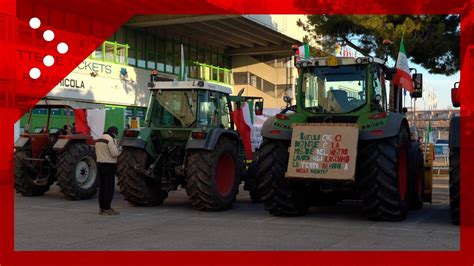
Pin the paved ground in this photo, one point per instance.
(51, 222)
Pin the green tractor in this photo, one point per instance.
(346, 138)
(188, 140)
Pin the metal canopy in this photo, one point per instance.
(235, 34)
(52, 103)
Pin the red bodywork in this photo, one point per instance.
(455, 95)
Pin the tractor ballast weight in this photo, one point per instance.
(191, 139)
(340, 94)
(65, 157)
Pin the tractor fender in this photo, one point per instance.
(60, 144)
(133, 143)
(454, 132)
(21, 142)
(213, 135)
(390, 129)
(268, 127)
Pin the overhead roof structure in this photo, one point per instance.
(236, 34)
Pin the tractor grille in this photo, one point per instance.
(332, 119)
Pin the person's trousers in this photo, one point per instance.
(106, 184)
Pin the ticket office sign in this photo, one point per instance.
(323, 151)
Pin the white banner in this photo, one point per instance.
(96, 122)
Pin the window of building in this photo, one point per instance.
(108, 50)
(121, 54)
(112, 52)
(141, 59)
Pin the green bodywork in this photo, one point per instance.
(372, 117)
(174, 114)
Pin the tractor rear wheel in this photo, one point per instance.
(279, 194)
(416, 178)
(213, 177)
(383, 176)
(24, 183)
(137, 188)
(454, 185)
(77, 172)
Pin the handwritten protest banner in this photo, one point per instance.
(323, 151)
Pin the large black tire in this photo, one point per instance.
(77, 172)
(280, 195)
(416, 178)
(251, 176)
(213, 177)
(23, 180)
(135, 187)
(454, 185)
(382, 171)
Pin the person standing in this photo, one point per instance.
(107, 152)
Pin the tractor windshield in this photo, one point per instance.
(173, 108)
(335, 89)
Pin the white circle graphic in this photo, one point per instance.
(35, 23)
(35, 73)
(48, 60)
(62, 48)
(48, 35)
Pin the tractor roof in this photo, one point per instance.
(190, 85)
(50, 103)
(337, 61)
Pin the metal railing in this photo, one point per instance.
(441, 163)
(213, 73)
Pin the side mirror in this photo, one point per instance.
(455, 95)
(287, 99)
(417, 85)
(259, 108)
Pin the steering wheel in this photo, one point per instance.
(353, 101)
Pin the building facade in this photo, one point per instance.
(233, 50)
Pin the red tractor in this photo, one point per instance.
(45, 155)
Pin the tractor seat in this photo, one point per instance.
(340, 98)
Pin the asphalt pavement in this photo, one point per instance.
(51, 222)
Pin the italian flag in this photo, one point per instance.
(302, 52)
(243, 121)
(429, 138)
(402, 77)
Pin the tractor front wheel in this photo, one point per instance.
(77, 172)
(24, 183)
(383, 177)
(213, 177)
(279, 194)
(137, 188)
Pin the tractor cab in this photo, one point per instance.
(333, 86)
(52, 120)
(188, 105)
(346, 90)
